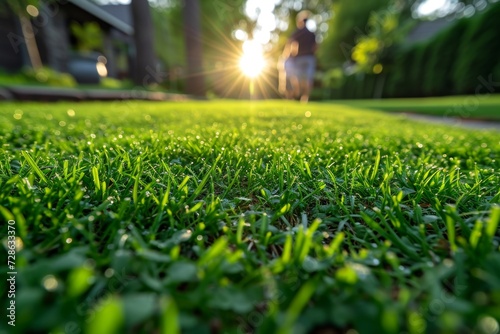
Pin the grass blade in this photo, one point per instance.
(298, 303)
(33, 165)
(170, 317)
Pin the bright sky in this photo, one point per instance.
(262, 12)
(113, 2)
(266, 7)
(431, 6)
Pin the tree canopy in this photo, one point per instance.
(349, 20)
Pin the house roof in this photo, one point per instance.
(122, 12)
(104, 16)
(427, 29)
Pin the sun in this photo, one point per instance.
(252, 62)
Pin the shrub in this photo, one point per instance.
(442, 60)
(496, 73)
(111, 83)
(417, 69)
(49, 77)
(448, 64)
(399, 73)
(478, 52)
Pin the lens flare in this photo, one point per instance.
(252, 62)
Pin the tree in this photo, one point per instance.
(383, 31)
(219, 50)
(349, 21)
(192, 31)
(145, 64)
(19, 7)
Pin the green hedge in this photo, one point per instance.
(358, 86)
(444, 55)
(449, 64)
(397, 78)
(478, 51)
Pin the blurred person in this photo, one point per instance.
(302, 50)
(286, 72)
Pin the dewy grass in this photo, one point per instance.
(482, 107)
(235, 217)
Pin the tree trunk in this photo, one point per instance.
(145, 59)
(56, 39)
(195, 84)
(31, 45)
(379, 86)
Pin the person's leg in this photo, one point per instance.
(308, 79)
(305, 91)
(292, 72)
(300, 77)
(281, 82)
(289, 89)
(289, 74)
(295, 86)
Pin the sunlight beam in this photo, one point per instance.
(252, 62)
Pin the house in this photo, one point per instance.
(56, 42)
(425, 30)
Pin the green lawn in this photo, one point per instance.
(236, 217)
(486, 107)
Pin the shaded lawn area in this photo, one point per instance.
(484, 107)
(233, 217)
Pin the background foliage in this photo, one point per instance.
(444, 65)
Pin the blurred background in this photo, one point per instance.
(230, 49)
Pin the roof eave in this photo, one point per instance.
(103, 16)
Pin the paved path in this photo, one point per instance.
(458, 122)
(43, 93)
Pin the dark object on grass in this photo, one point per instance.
(83, 67)
(5, 95)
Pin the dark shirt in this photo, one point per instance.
(306, 41)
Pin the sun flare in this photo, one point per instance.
(252, 62)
